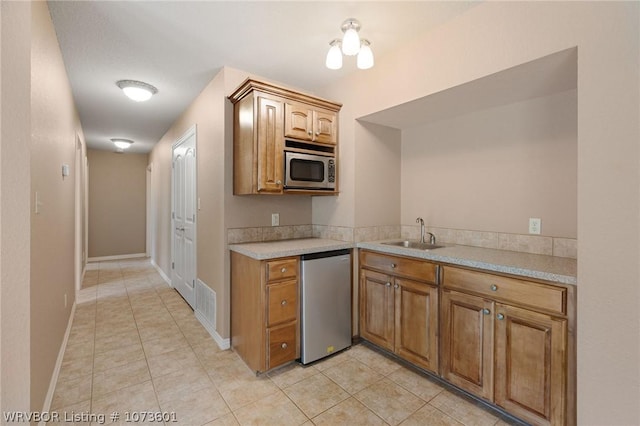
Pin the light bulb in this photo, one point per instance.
(334, 56)
(365, 56)
(350, 41)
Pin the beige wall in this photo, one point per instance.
(211, 112)
(494, 169)
(15, 189)
(54, 126)
(495, 36)
(378, 177)
(117, 203)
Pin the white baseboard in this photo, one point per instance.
(220, 341)
(56, 370)
(117, 257)
(161, 272)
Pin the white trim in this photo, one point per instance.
(161, 272)
(56, 371)
(117, 257)
(220, 341)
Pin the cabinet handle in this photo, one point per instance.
(396, 285)
(388, 285)
(494, 287)
(486, 311)
(393, 265)
(309, 132)
(318, 133)
(284, 302)
(283, 270)
(500, 317)
(284, 346)
(278, 182)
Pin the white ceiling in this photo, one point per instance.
(179, 46)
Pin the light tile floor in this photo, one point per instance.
(135, 346)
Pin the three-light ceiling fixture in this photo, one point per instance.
(351, 44)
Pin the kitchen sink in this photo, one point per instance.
(414, 245)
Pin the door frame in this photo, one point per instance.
(191, 131)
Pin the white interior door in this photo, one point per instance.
(183, 277)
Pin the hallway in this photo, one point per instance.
(135, 346)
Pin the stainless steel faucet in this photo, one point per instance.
(432, 238)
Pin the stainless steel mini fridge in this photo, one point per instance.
(325, 326)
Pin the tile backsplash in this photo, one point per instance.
(536, 244)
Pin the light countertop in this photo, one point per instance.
(550, 268)
(284, 248)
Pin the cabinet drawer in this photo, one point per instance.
(413, 268)
(282, 268)
(282, 302)
(540, 296)
(281, 345)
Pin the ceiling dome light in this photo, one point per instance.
(351, 39)
(138, 91)
(122, 143)
(334, 56)
(365, 56)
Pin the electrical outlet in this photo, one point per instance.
(535, 225)
(275, 219)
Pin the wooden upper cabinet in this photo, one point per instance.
(270, 146)
(265, 115)
(311, 124)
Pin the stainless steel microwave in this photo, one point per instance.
(309, 171)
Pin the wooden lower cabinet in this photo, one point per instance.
(264, 311)
(467, 342)
(401, 315)
(530, 372)
(512, 356)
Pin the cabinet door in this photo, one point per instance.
(325, 126)
(298, 121)
(530, 365)
(270, 156)
(376, 308)
(416, 333)
(467, 342)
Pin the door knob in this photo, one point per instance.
(500, 316)
(486, 311)
(388, 285)
(494, 287)
(284, 346)
(284, 302)
(283, 270)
